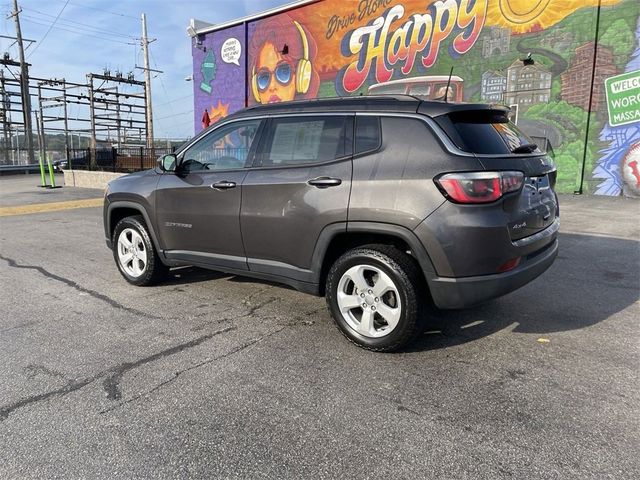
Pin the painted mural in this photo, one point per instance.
(218, 75)
(536, 56)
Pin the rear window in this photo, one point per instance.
(485, 132)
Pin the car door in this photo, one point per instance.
(198, 205)
(299, 184)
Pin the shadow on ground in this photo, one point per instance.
(593, 278)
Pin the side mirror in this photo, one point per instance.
(168, 162)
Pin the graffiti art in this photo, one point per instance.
(548, 60)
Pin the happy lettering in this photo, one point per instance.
(386, 45)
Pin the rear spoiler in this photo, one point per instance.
(436, 109)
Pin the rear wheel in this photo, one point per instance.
(374, 296)
(135, 254)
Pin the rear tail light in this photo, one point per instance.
(479, 187)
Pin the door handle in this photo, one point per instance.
(223, 185)
(325, 182)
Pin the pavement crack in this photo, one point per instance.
(80, 288)
(253, 309)
(175, 375)
(113, 376)
(70, 387)
(303, 320)
(32, 370)
(21, 325)
(111, 383)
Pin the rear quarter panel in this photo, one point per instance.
(395, 184)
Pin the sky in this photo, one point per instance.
(91, 35)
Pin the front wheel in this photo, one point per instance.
(135, 254)
(374, 296)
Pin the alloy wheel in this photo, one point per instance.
(369, 301)
(132, 254)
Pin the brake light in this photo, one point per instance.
(479, 187)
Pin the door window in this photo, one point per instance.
(303, 140)
(367, 133)
(225, 148)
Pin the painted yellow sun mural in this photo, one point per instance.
(529, 15)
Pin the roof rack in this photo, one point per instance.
(348, 99)
(393, 103)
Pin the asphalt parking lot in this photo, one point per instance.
(210, 375)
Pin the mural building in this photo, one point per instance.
(569, 69)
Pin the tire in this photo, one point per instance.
(135, 254)
(384, 314)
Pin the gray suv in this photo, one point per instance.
(381, 204)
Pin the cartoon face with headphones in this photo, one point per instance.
(280, 54)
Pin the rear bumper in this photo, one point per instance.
(464, 292)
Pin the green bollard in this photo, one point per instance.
(52, 179)
(42, 176)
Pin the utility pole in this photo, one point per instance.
(24, 84)
(147, 81)
(40, 126)
(66, 120)
(92, 115)
(6, 105)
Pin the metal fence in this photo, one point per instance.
(123, 159)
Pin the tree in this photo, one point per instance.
(619, 37)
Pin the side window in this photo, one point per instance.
(301, 140)
(225, 148)
(367, 133)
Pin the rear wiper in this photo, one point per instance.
(525, 148)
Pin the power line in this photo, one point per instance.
(174, 100)
(175, 115)
(101, 10)
(79, 32)
(50, 27)
(75, 29)
(75, 24)
(166, 94)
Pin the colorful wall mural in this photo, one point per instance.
(570, 69)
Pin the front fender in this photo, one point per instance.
(112, 206)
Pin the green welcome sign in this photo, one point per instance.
(623, 98)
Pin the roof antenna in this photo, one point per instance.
(446, 92)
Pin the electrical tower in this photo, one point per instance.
(114, 110)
